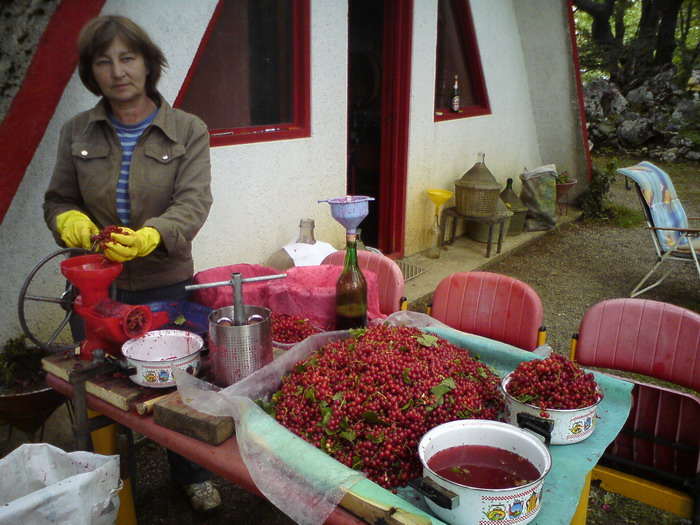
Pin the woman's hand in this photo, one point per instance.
(76, 229)
(131, 244)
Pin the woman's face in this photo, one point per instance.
(121, 73)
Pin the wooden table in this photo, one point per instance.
(490, 221)
(223, 460)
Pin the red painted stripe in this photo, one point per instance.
(579, 87)
(35, 103)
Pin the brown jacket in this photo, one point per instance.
(169, 186)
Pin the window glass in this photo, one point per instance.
(250, 78)
(458, 55)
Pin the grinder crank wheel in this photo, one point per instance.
(46, 300)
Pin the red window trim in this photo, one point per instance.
(301, 128)
(476, 71)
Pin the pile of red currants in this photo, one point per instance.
(368, 399)
(553, 383)
(289, 329)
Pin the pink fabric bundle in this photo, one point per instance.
(307, 291)
(220, 296)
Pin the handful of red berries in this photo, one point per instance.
(105, 235)
(290, 329)
(553, 383)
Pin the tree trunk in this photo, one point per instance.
(666, 37)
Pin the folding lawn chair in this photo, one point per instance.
(491, 305)
(655, 458)
(666, 220)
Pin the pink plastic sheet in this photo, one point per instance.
(307, 291)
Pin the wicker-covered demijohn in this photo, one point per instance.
(477, 192)
(514, 204)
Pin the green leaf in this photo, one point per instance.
(357, 332)
(376, 439)
(406, 377)
(373, 417)
(179, 320)
(357, 463)
(349, 435)
(269, 408)
(427, 340)
(310, 394)
(443, 388)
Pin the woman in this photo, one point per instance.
(134, 162)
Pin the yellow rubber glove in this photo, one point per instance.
(76, 229)
(130, 244)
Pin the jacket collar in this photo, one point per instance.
(163, 119)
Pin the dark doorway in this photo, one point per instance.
(364, 107)
(379, 36)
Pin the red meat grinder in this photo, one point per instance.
(108, 323)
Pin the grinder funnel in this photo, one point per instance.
(349, 211)
(92, 275)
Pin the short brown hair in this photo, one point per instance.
(98, 34)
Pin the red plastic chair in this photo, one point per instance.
(656, 457)
(491, 305)
(390, 281)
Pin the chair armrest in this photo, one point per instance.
(686, 230)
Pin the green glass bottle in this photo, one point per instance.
(454, 101)
(351, 291)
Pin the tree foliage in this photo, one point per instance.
(630, 40)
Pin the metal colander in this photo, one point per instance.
(238, 351)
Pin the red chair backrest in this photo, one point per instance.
(648, 337)
(390, 281)
(491, 305)
(661, 341)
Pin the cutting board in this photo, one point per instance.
(114, 388)
(172, 413)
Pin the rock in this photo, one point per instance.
(662, 84)
(670, 155)
(635, 132)
(686, 110)
(693, 155)
(601, 97)
(640, 96)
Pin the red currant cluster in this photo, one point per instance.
(555, 382)
(289, 329)
(105, 235)
(368, 399)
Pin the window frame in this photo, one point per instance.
(470, 50)
(300, 127)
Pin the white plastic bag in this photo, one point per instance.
(42, 484)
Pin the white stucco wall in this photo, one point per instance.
(262, 190)
(529, 79)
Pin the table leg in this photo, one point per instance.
(500, 238)
(582, 509)
(488, 246)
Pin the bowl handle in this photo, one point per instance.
(540, 426)
(439, 495)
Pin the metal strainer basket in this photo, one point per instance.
(238, 351)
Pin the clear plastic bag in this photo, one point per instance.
(278, 461)
(539, 195)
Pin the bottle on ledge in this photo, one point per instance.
(454, 104)
(351, 291)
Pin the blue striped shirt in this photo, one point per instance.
(129, 135)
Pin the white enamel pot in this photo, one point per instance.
(459, 504)
(156, 354)
(568, 426)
